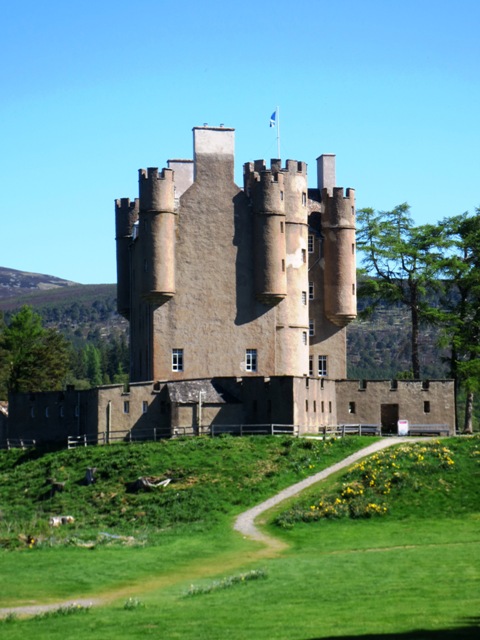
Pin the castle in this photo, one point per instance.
(238, 301)
(222, 281)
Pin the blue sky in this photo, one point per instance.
(93, 91)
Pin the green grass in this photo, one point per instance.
(412, 573)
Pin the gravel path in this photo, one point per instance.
(245, 521)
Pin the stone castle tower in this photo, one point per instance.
(222, 281)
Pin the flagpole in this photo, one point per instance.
(278, 132)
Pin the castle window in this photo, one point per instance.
(251, 360)
(281, 227)
(306, 406)
(353, 289)
(307, 383)
(311, 328)
(304, 337)
(426, 406)
(310, 366)
(322, 406)
(310, 244)
(311, 290)
(144, 406)
(283, 266)
(330, 406)
(304, 297)
(351, 407)
(177, 359)
(304, 255)
(304, 199)
(281, 195)
(322, 366)
(46, 412)
(314, 406)
(126, 406)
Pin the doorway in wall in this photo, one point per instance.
(389, 417)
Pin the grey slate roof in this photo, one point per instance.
(187, 392)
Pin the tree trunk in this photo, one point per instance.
(468, 425)
(415, 331)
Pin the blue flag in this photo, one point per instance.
(273, 119)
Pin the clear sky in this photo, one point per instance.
(92, 91)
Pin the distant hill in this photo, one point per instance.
(14, 283)
(80, 311)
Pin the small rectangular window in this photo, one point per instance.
(311, 291)
(426, 406)
(310, 366)
(311, 328)
(322, 366)
(281, 227)
(304, 199)
(322, 406)
(126, 406)
(304, 337)
(310, 244)
(144, 406)
(251, 360)
(330, 406)
(177, 359)
(304, 297)
(304, 255)
(314, 406)
(283, 265)
(306, 406)
(351, 407)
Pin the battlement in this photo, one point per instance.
(156, 188)
(259, 166)
(338, 194)
(152, 173)
(126, 214)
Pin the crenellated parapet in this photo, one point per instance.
(156, 189)
(338, 208)
(157, 234)
(126, 215)
(338, 227)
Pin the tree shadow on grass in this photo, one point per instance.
(470, 631)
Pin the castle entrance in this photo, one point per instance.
(389, 417)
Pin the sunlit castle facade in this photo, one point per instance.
(218, 280)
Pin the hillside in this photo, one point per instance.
(15, 283)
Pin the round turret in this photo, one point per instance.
(126, 214)
(157, 234)
(338, 226)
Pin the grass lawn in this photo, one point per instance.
(411, 573)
